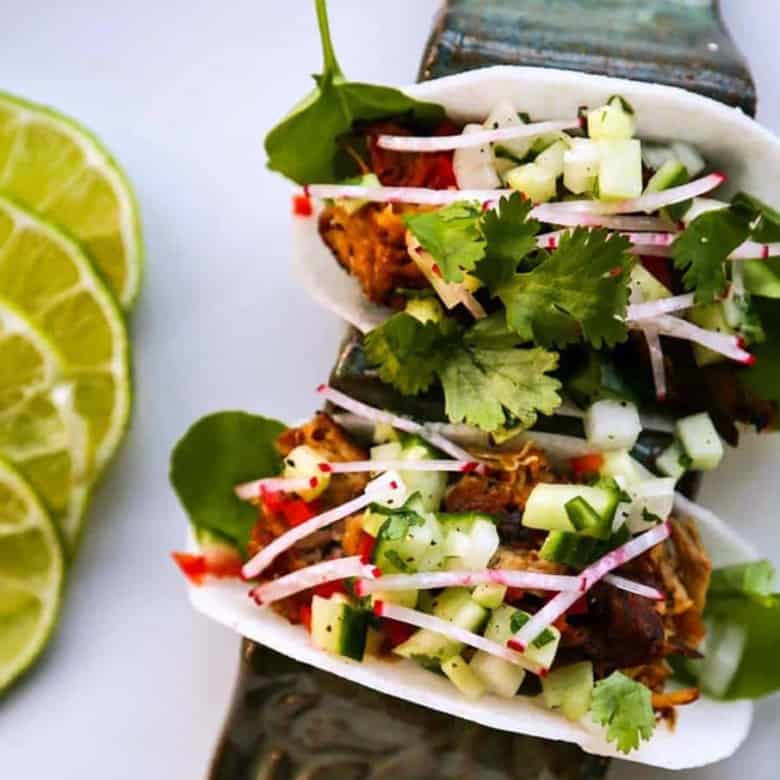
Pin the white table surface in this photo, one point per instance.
(135, 685)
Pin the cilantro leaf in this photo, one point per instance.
(702, 248)
(217, 453)
(452, 236)
(625, 707)
(581, 289)
(763, 378)
(509, 237)
(408, 352)
(765, 220)
(304, 145)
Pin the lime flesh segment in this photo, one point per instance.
(47, 276)
(40, 430)
(31, 575)
(59, 170)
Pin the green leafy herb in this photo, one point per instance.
(520, 618)
(764, 220)
(452, 236)
(485, 377)
(763, 378)
(305, 145)
(580, 290)
(625, 707)
(649, 517)
(762, 277)
(702, 249)
(509, 237)
(219, 452)
(745, 579)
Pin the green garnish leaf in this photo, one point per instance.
(702, 249)
(764, 219)
(625, 707)
(580, 290)
(452, 236)
(763, 377)
(304, 146)
(756, 578)
(509, 237)
(216, 454)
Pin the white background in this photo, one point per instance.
(135, 685)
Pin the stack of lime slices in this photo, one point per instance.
(70, 268)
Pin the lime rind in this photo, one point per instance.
(43, 588)
(100, 159)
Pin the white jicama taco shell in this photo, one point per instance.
(730, 141)
(706, 731)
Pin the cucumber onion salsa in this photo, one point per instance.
(557, 574)
(531, 260)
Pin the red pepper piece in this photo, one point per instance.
(395, 632)
(297, 511)
(304, 615)
(587, 464)
(192, 566)
(366, 547)
(302, 206)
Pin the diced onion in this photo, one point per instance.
(418, 195)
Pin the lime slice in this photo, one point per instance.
(58, 169)
(40, 430)
(31, 575)
(48, 277)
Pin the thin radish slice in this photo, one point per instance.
(422, 620)
(650, 309)
(651, 250)
(473, 306)
(622, 583)
(349, 467)
(556, 214)
(655, 244)
(445, 143)
(656, 353)
(737, 289)
(751, 250)
(530, 580)
(311, 577)
(730, 346)
(647, 203)
(556, 607)
(418, 195)
(250, 490)
(400, 423)
(388, 486)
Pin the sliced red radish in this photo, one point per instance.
(527, 580)
(418, 195)
(650, 309)
(456, 633)
(557, 606)
(751, 250)
(375, 415)
(656, 353)
(557, 214)
(311, 577)
(353, 466)
(622, 583)
(445, 143)
(388, 487)
(251, 490)
(730, 346)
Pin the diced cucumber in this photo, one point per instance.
(404, 598)
(671, 174)
(569, 688)
(501, 677)
(611, 123)
(304, 462)
(489, 595)
(505, 115)
(372, 522)
(546, 505)
(463, 677)
(384, 432)
(653, 498)
(612, 425)
(620, 171)
(535, 182)
(474, 166)
(352, 205)
(700, 441)
(388, 451)
(620, 464)
(586, 520)
(673, 461)
(689, 156)
(544, 648)
(710, 316)
(424, 309)
(409, 542)
(430, 486)
(645, 287)
(456, 606)
(655, 155)
(337, 627)
(546, 140)
(569, 548)
(499, 625)
(551, 159)
(581, 166)
(375, 641)
(425, 601)
(470, 540)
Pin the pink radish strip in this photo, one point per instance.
(656, 352)
(651, 250)
(383, 488)
(444, 143)
(401, 423)
(751, 250)
(648, 203)
(311, 577)
(730, 346)
(350, 467)
(643, 243)
(650, 309)
(553, 214)
(638, 588)
(419, 195)
(249, 490)
(556, 607)
(467, 579)
(420, 619)
(473, 306)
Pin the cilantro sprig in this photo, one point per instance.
(304, 146)
(625, 707)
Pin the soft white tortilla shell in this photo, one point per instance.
(748, 153)
(706, 731)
